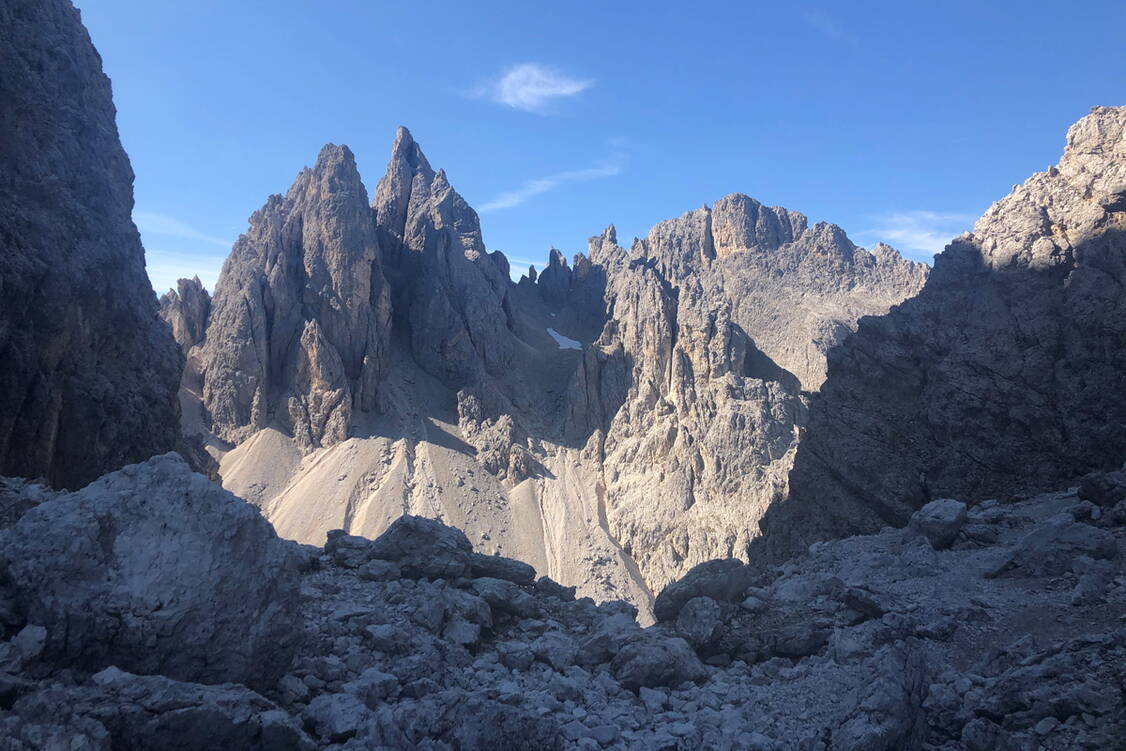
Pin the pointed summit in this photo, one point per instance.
(310, 257)
(393, 194)
(412, 201)
(446, 286)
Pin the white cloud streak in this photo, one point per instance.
(162, 225)
(165, 267)
(918, 234)
(532, 87)
(829, 26)
(541, 185)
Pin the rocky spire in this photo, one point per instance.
(449, 293)
(555, 281)
(1005, 373)
(185, 309)
(88, 372)
(303, 284)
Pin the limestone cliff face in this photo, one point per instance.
(1005, 373)
(707, 423)
(88, 372)
(796, 290)
(186, 310)
(448, 292)
(300, 318)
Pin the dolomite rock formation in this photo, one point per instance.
(1002, 375)
(186, 310)
(614, 421)
(690, 415)
(987, 625)
(88, 373)
(796, 290)
(300, 317)
(449, 293)
(153, 569)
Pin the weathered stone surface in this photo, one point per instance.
(1105, 489)
(186, 310)
(1053, 548)
(300, 318)
(724, 580)
(657, 661)
(499, 567)
(120, 710)
(939, 521)
(699, 620)
(88, 372)
(416, 662)
(155, 569)
(1001, 375)
(424, 548)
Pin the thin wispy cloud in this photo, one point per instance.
(918, 234)
(518, 267)
(532, 188)
(166, 266)
(829, 26)
(162, 225)
(532, 87)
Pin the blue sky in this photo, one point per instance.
(898, 121)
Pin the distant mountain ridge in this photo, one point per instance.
(370, 360)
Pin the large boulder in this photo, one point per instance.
(939, 521)
(723, 580)
(654, 660)
(149, 713)
(157, 570)
(1053, 548)
(424, 548)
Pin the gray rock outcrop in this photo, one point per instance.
(88, 373)
(449, 293)
(796, 290)
(156, 570)
(186, 310)
(1002, 375)
(300, 318)
(874, 642)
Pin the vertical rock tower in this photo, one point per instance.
(88, 372)
(301, 313)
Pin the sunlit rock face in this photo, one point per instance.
(300, 318)
(615, 420)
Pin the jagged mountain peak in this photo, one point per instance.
(1041, 222)
(312, 256)
(186, 309)
(393, 193)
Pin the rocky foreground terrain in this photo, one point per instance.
(154, 610)
(624, 422)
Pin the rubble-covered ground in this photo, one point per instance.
(1000, 626)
